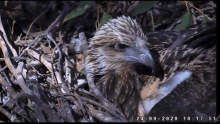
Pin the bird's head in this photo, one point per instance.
(120, 43)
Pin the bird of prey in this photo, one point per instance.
(112, 55)
(122, 61)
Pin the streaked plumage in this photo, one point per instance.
(194, 50)
(120, 45)
(112, 54)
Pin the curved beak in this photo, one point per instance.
(141, 55)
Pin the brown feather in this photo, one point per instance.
(119, 83)
(199, 56)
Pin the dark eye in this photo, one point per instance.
(120, 46)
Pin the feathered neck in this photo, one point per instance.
(123, 89)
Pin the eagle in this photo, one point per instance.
(122, 62)
(112, 55)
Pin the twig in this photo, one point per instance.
(68, 71)
(3, 68)
(112, 112)
(187, 6)
(97, 21)
(20, 78)
(102, 116)
(12, 94)
(152, 20)
(4, 37)
(47, 33)
(48, 65)
(194, 19)
(40, 104)
(36, 41)
(12, 117)
(131, 7)
(197, 9)
(37, 19)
